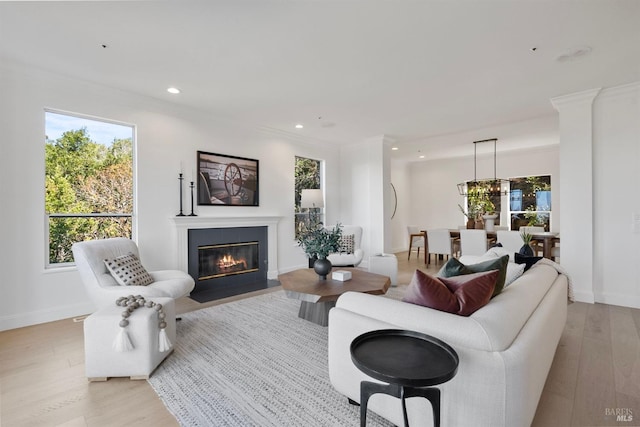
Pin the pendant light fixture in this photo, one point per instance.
(491, 186)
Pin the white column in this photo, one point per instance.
(576, 189)
(366, 192)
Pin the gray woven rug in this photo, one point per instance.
(253, 362)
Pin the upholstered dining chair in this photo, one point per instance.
(101, 285)
(473, 242)
(416, 240)
(440, 243)
(511, 241)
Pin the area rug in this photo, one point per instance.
(253, 362)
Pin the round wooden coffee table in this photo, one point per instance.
(319, 296)
(410, 362)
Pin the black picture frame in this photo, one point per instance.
(225, 180)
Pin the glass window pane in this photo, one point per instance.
(88, 176)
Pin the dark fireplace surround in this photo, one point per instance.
(227, 261)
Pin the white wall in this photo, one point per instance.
(166, 135)
(435, 198)
(400, 178)
(600, 140)
(616, 201)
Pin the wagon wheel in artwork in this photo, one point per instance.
(232, 179)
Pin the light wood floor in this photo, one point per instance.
(42, 382)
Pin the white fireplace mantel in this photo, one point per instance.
(185, 223)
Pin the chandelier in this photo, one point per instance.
(485, 187)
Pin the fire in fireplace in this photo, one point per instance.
(227, 259)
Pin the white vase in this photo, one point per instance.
(489, 221)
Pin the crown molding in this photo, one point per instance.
(575, 99)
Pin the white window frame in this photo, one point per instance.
(133, 215)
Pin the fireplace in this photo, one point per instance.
(227, 261)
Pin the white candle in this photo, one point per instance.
(181, 166)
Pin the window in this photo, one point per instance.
(484, 197)
(88, 182)
(307, 176)
(530, 202)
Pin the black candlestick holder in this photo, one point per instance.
(180, 178)
(192, 214)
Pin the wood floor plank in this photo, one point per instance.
(595, 386)
(629, 409)
(625, 346)
(554, 410)
(597, 325)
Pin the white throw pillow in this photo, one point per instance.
(513, 272)
(128, 271)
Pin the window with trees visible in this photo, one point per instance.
(88, 182)
(530, 202)
(307, 176)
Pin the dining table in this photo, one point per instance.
(548, 239)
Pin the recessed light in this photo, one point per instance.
(421, 156)
(299, 126)
(394, 148)
(173, 90)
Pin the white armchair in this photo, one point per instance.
(347, 259)
(101, 286)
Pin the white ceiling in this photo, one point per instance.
(347, 70)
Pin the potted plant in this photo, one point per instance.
(480, 205)
(471, 216)
(526, 247)
(318, 242)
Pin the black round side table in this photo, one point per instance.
(410, 362)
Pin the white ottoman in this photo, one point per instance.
(101, 329)
(385, 264)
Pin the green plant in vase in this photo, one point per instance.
(479, 203)
(318, 242)
(526, 247)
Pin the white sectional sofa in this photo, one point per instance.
(505, 350)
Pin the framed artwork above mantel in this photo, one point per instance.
(225, 180)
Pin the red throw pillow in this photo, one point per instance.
(461, 295)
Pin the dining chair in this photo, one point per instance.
(416, 240)
(473, 242)
(440, 243)
(511, 241)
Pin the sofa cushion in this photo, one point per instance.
(461, 295)
(128, 271)
(453, 267)
(528, 261)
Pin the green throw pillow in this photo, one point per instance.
(453, 267)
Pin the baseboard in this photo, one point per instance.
(583, 296)
(43, 316)
(622, 300)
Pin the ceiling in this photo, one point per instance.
(348, 70)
